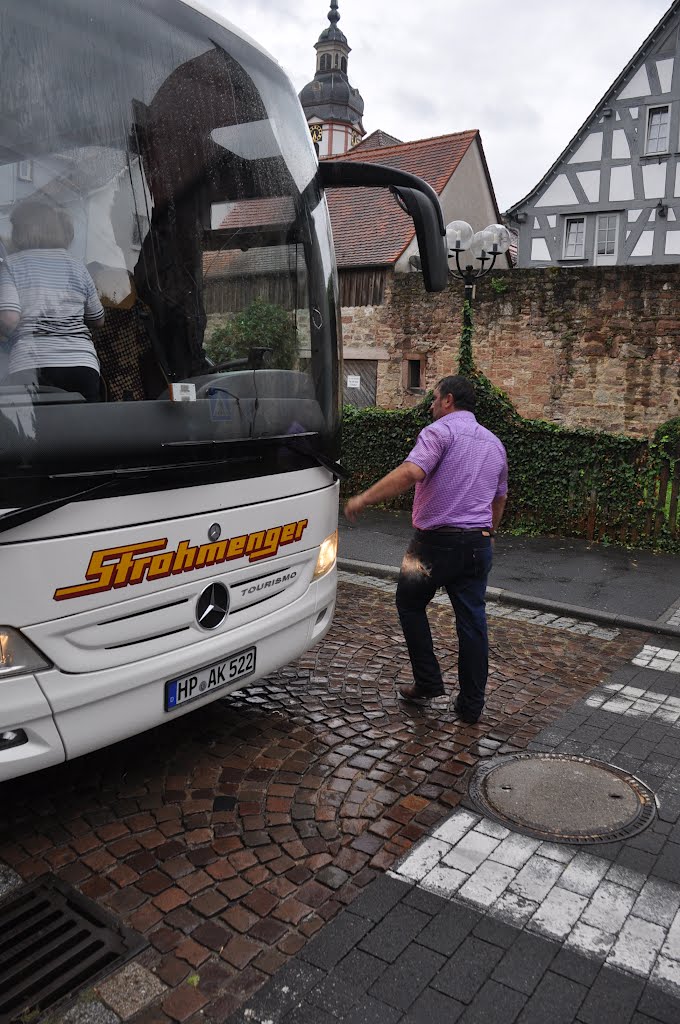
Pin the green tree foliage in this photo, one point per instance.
(261, 325)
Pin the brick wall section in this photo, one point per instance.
(596, 348)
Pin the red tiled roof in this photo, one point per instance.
(376, 139)
(218, 264)
(263, 212)
(277, 259)
(369, 228)
(260, 212)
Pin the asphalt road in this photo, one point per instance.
(611, 579)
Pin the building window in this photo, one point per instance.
(606, 239)
(25, 170)
(337, 60)
(574, 238)
(606, 234)
(658, 129)
(414, 376)
(343, 64)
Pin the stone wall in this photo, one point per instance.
(583, 347)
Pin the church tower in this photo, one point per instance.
(332, 107)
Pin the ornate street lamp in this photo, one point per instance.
(484, 247)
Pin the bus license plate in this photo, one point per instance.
(179, 692)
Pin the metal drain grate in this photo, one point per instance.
(562, 798)
(53, 942)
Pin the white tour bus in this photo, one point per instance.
(171, 535)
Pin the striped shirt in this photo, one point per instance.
(466, 468)
(53, 293)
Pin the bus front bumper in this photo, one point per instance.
(66, 715)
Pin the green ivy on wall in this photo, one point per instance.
(466, 363)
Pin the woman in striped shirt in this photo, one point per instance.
(48, 305)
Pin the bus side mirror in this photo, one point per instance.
(431, 245)
(414, 195)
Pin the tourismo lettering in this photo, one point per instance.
(266, 584)
(131, 564)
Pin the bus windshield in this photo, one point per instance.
(167, 289)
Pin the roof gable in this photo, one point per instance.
(369, 228)
(662, 37)
(378, 140)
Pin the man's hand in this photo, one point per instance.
(354, 507)
(400, 480)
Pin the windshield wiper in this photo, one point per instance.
(296, 442)
(20, 516)
(218, 442)
(306, 449)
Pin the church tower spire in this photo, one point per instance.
(333, 14)
(333, 109)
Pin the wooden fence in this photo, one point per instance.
(649, 516)
(234, 293)
(364, 287)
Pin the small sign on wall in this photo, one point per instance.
(353, 382)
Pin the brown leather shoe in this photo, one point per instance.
(414, 695)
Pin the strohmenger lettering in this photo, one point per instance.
(130, 564)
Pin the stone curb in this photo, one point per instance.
(611, 619)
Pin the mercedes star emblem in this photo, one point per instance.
(212, 606)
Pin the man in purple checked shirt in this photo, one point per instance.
(460, 473)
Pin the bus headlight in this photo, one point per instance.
(17, 655)
(328, 552)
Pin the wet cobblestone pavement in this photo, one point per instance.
(230, 837)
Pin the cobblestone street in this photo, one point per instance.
(232, 836)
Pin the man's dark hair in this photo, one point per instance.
(462, 390)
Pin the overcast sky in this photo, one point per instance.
(526, 73)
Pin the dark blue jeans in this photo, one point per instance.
(459, 562)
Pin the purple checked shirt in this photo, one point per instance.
(466, 468)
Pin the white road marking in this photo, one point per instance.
(663, 659)
(596, 908)
(634, 702)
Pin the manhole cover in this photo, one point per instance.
(562, 798)
(54, 941)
